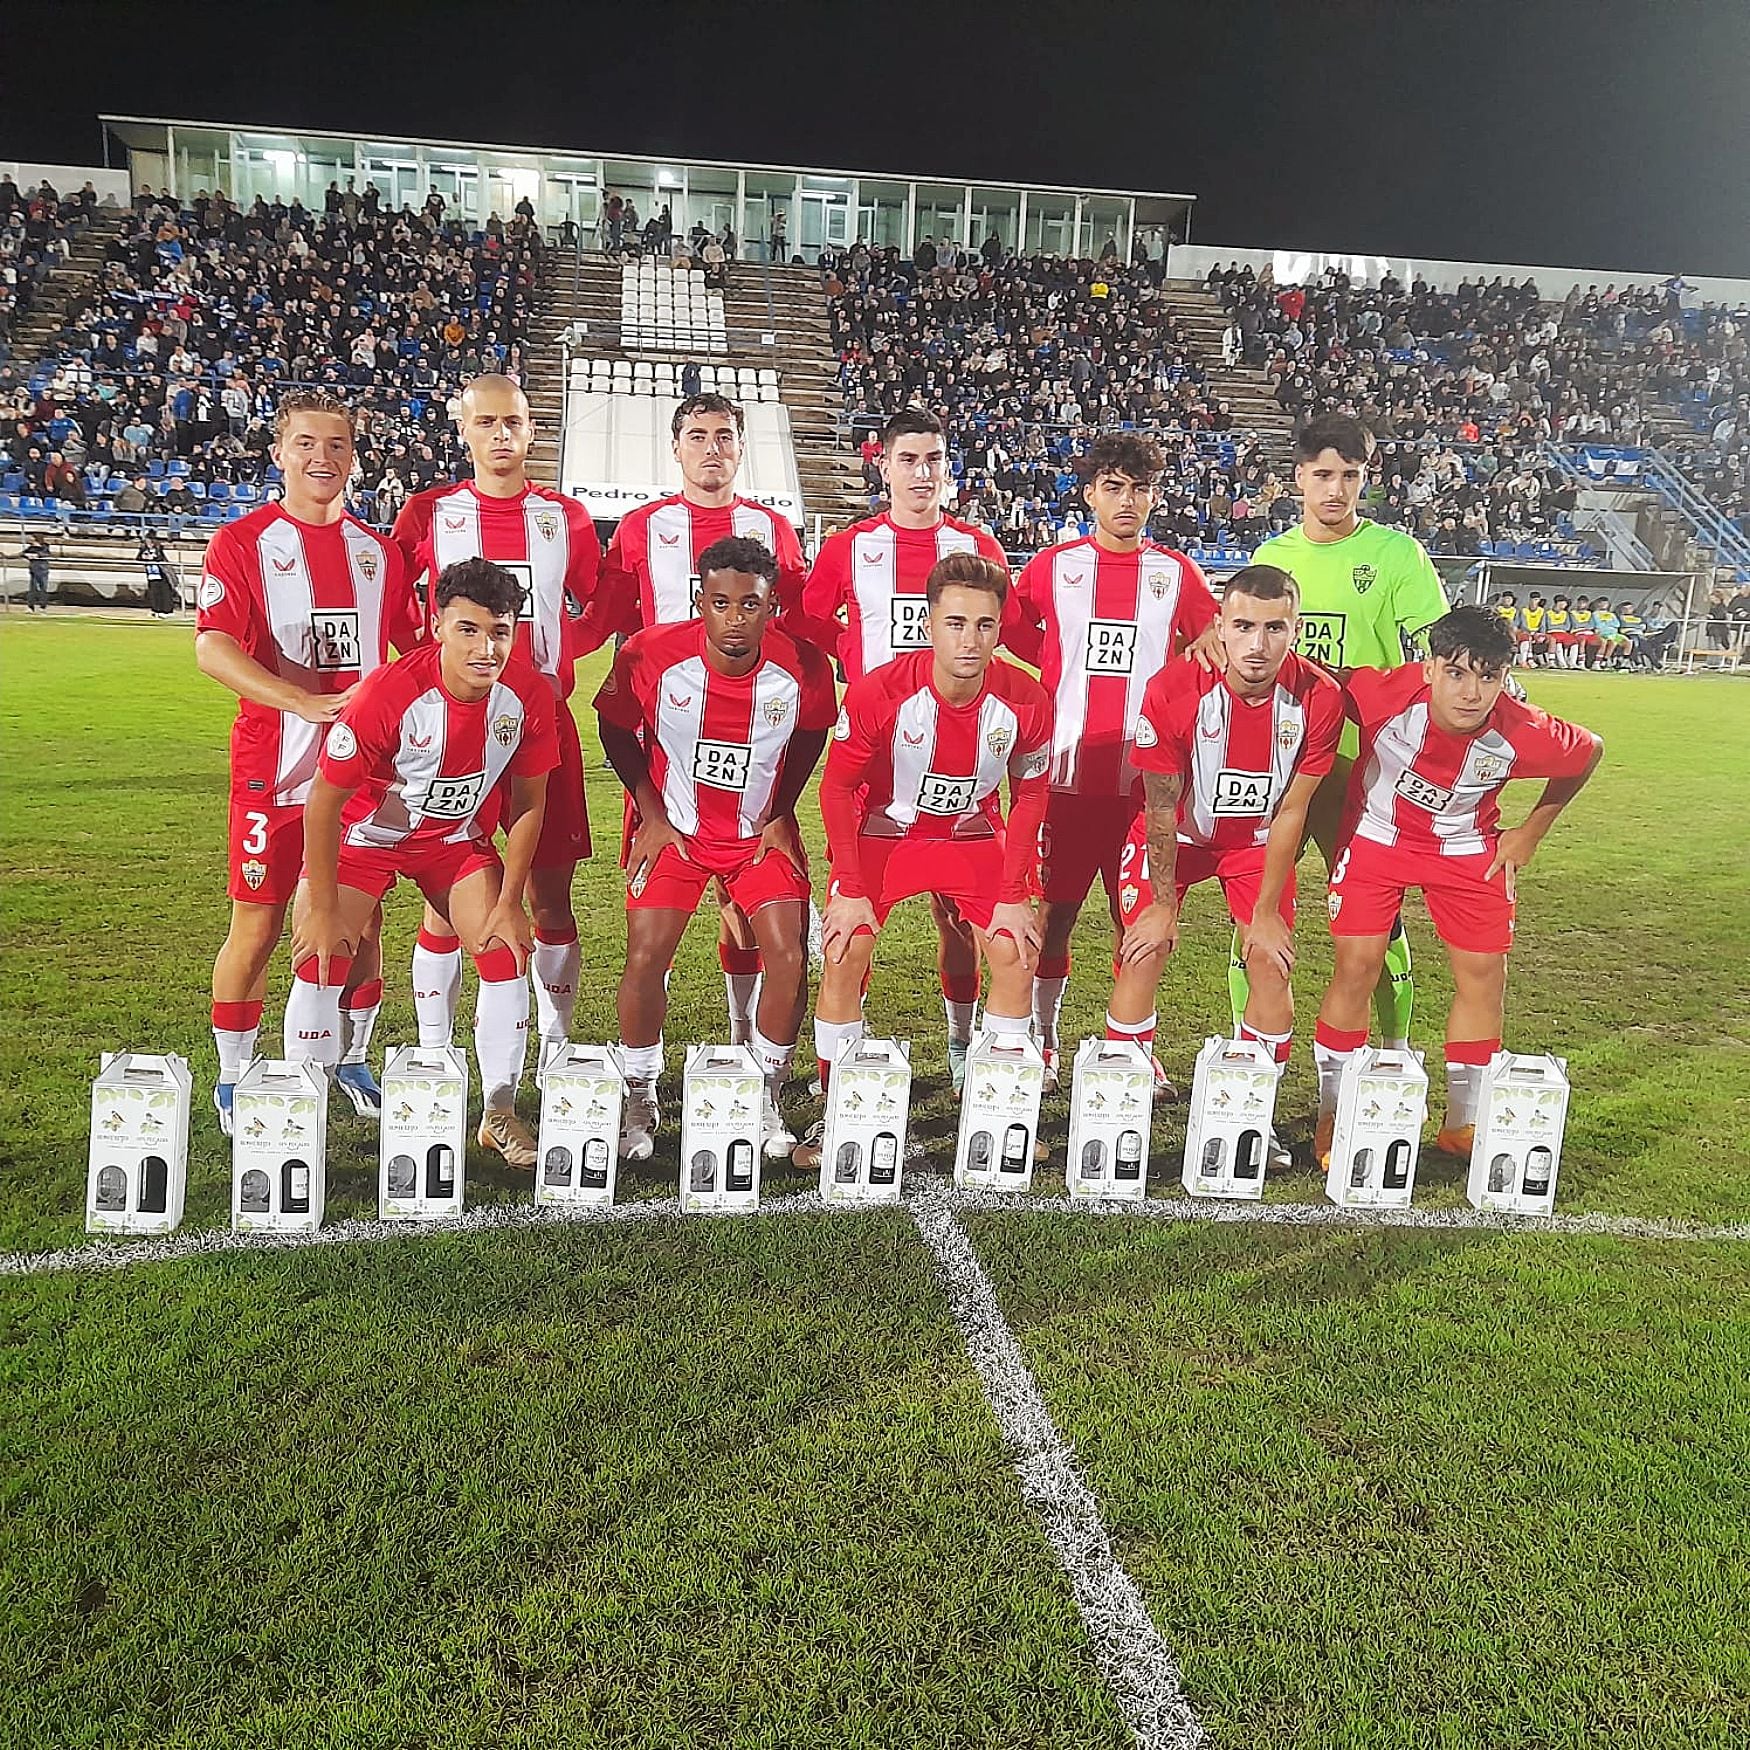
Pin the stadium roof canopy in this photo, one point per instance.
(820, 208)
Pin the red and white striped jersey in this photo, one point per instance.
(317, 605)
(929, 769)
(1236, 756)
(543, 538)
(1417, 786)
(424, 766)
(716, 742)
(876, 571)
(652, 567)
(1109, 621)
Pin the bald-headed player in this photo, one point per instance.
(547, 542)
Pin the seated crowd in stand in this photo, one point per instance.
(164, 378)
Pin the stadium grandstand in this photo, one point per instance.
(1529, 421)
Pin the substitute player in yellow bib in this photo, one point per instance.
(1367, 593)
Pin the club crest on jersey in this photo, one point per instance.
(1334, 904)
(998, 741)
(254, 872)
(367, 564)
(1157, 585)
(455, 524)
(212, 591)
(548, 525)
(1363, 577)
(776, 711)
(1288, 735)
(1490, 768)
(1127, 898)
(504, 730)
(1145, 733)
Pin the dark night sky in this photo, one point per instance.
(1613, 134)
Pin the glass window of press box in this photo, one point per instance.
(812, 211)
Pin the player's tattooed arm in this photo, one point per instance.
(1156, 930)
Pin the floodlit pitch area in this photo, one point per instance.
(735, 1481)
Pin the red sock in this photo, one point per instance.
(237, 1017)
(367, 996)
(1279, 1043)
(1138, 1032)
(738, 962)
(339, 971)
(437, 944)
(960, 987)
(495, 965)
(1052, 966)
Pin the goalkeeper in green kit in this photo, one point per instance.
(1367, 593)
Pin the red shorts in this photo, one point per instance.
(565, 822)
(680, 876)
(265, 851)
(967, 871)
(1564, 638)
(434, 868)
(1083, 836)
(1241, 874)
(1470, 914)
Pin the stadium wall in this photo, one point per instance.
(1299, 266)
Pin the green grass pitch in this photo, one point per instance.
(734, 1483)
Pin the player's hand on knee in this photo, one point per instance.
(1155, 933)
(1020, 923)
(509, 926)
(844, 916)
(653, 837)
(319, 934)
(1269, 941)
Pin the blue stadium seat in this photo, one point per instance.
(155, 468)
(219, 490)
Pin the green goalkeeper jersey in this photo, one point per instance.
(1360, 597)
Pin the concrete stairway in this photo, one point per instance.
(1245, 389)
(61, 289)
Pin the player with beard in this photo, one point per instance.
(651, 578)
(715, 725)
(876, 573)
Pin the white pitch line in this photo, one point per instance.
(1189, 1209)
(121, 1254)
(1144, 1678)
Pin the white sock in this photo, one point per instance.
(1007, 1026)
(555, 966)
(1464, 1087)
(359, 1024)
(313, 1023)
(830, 1038)
(1330, 1063)
(742, 990)
(960, 1019)
(1047, 1006)
(437, 986)
(774, 1059)
(235, 1048)
(501, 1031)
(642, 1063)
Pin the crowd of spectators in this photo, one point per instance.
(162, 384)
(37, 228)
